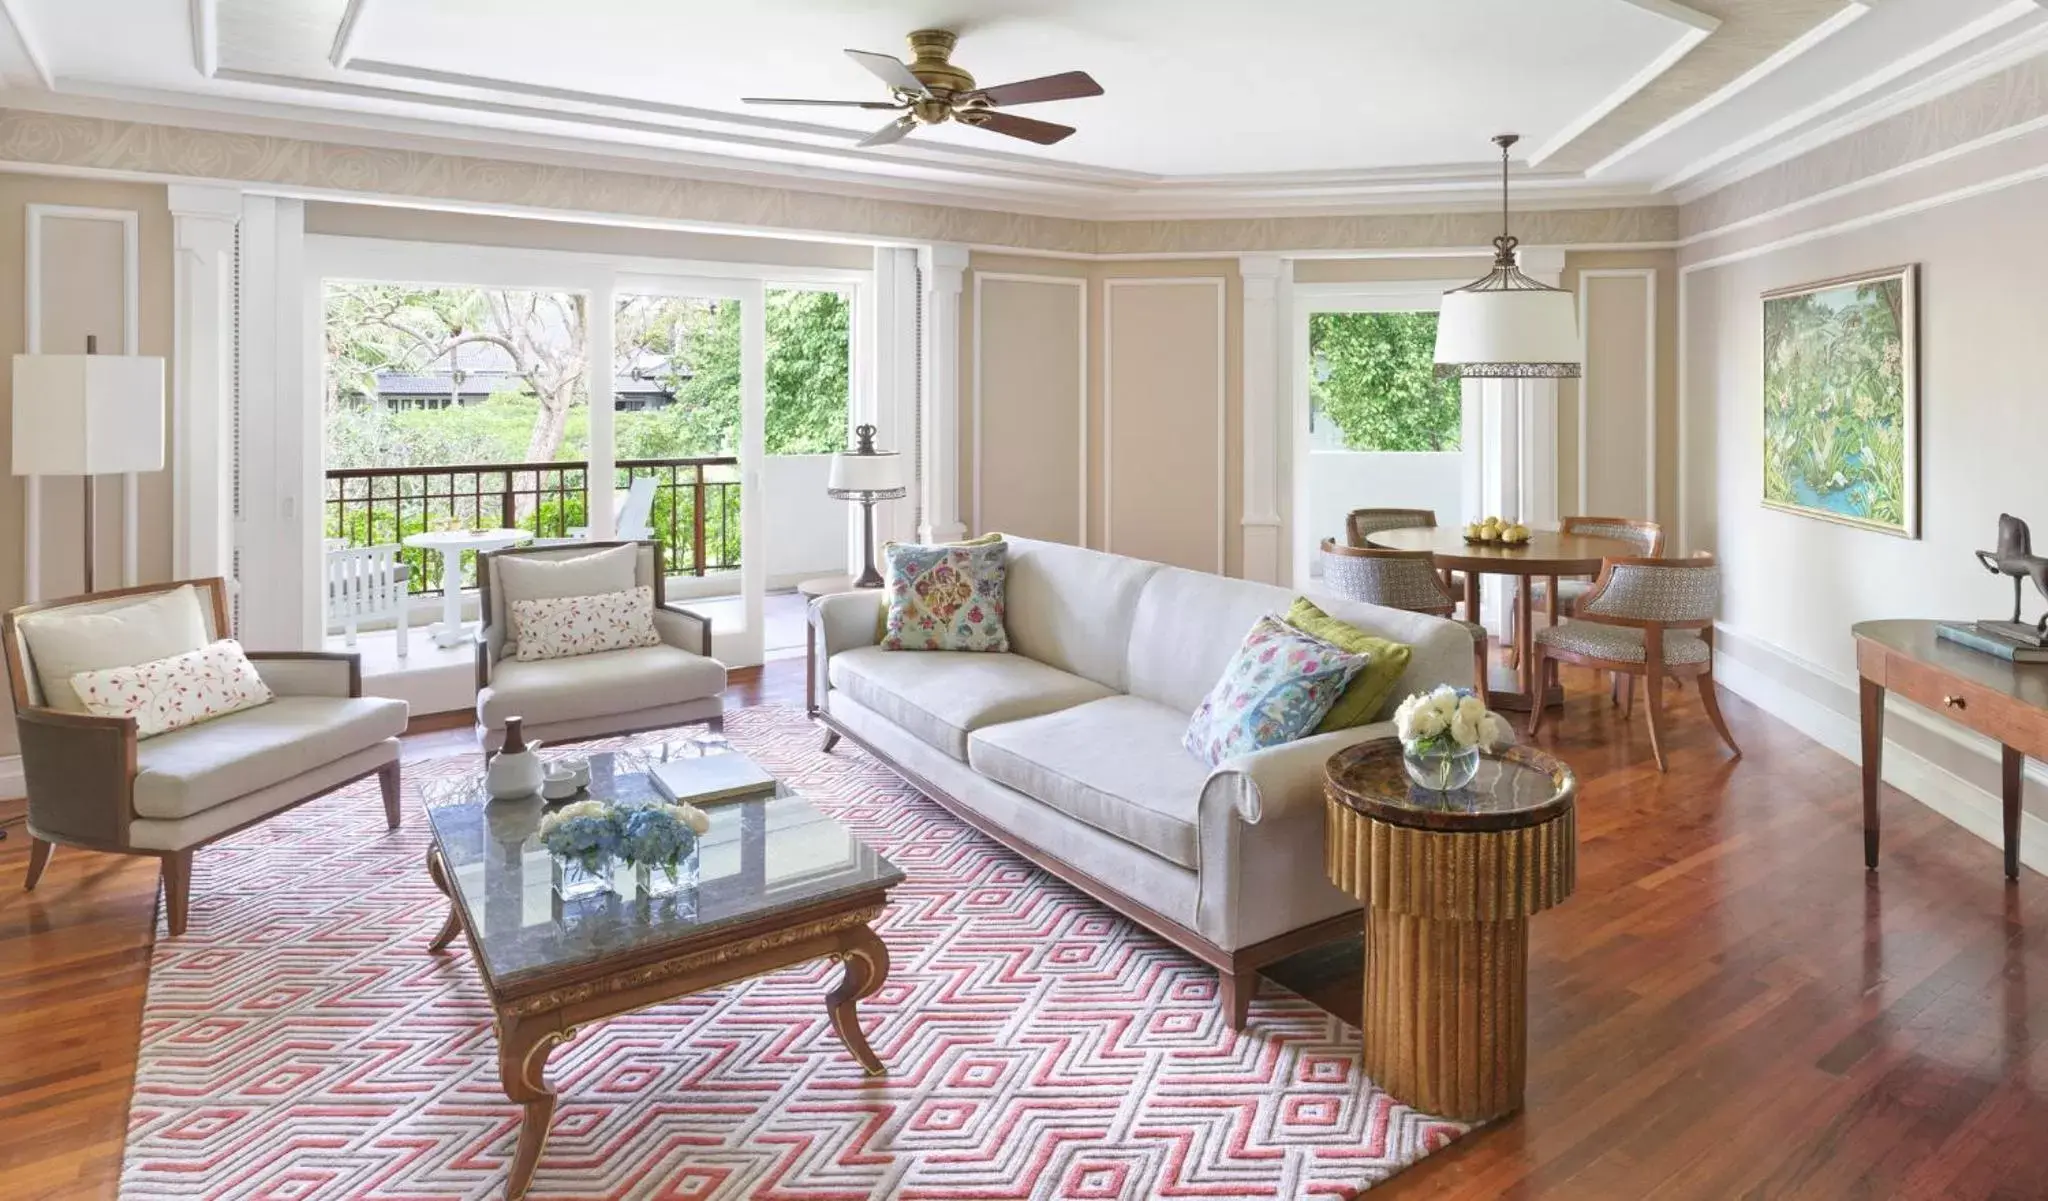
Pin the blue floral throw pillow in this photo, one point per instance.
(1277, 689)
(946, 598)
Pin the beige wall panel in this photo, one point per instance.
(1626, 327)
(81, 290)
(1620, 397)
(1165, 413)
(76, 259)
(1030, 407)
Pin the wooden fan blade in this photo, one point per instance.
(1045, 133)
(880, 104)
(890, 70)
(1071, 85)
(894, 131)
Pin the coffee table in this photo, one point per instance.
(780, 883)
(1449, 882)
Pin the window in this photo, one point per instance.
(809, 362)
(1373, 385)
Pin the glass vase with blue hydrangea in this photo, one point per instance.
(1442, 733)
(661, 841)
(583, 840)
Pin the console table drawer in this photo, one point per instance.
(1985, 710)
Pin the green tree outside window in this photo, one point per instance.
(1373, 376)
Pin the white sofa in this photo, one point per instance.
(1068, 749)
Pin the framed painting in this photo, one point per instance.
(1841, 400)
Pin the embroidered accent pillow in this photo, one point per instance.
(946, 598)
(559, 627)
(1278, 687)
(169, 694)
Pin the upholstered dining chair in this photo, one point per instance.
(1645, 617)
(1361, 524)
(1400, 579)
(1646, 536)
(672, 683)
(94, 783)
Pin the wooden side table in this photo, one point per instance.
(1449, 882)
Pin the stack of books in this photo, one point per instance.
(1980, 636)
(712, 778)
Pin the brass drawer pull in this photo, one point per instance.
(1956, 702)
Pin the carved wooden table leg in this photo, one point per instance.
(523, 1047)
(867, 966)
(452, 924)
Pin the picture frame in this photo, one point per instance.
(1841, 400)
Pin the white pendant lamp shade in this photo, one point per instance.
(1507, 325)
(1508, 333)
(88, 414)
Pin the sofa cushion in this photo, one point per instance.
(92, 635)
(1072, 608)
(528, 576)
(942, 696)
(1188, 628)
(555, 690)
(1114, 764)
(191, 770)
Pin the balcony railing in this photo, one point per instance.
(696, 513)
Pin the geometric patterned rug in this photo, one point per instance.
(299, 1041)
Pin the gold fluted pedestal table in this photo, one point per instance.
(1449, 882)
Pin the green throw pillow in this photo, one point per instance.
(882, 618)
(1371, 689)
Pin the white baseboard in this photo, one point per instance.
(1940, 789)
(11, 784)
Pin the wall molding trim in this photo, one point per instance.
(1914, 774)
(1109, 287)
(131, 343)
(1649, 277)
(1080, 284)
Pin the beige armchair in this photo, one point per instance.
(597, 695)
(93, 783)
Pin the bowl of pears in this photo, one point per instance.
(1495, 532)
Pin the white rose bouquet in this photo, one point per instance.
(1442, 733)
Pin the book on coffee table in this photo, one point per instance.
(1990, 642)
(711, 778)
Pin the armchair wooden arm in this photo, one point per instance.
(79, 771)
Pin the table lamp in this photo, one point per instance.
(88, 414)
(867, 475)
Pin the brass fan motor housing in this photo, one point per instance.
(931, 52)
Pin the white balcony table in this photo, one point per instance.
(450, 631)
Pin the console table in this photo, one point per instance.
(2004, 701)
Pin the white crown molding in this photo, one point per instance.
(31, 44)
(1785, 55)
(1698, 27)
(2023, 45)
(205, 15)
(347, 33)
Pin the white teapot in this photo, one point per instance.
(516, 770)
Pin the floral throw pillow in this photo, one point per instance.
(1277, 689)
(169, 694)
(946, 598)
(559, 627)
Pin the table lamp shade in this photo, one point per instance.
(878, 472)
(88, 414)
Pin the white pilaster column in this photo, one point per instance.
(893, 402)
(598, 379)
(1263, 276)
(945, 266)
(202, 417)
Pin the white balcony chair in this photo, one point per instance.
(632, 512)
(366, 583)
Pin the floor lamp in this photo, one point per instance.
(867, 475)
(87, 415)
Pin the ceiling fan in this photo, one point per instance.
(930, 90)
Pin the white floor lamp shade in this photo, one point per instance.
(88, 415)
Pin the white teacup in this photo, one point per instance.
(560, 785)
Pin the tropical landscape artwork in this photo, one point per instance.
(1841, 414)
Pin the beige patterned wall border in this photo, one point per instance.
(35, 139)
(1999, 104)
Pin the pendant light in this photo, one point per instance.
(1507, 325)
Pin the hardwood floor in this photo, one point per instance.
(1729, 1007)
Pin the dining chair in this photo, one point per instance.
(1645, 617)
(1361, 524)
(1647, 537)
(1400, 579)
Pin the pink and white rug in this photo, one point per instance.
(299, 1042)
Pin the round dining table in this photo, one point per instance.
(1546, 555)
